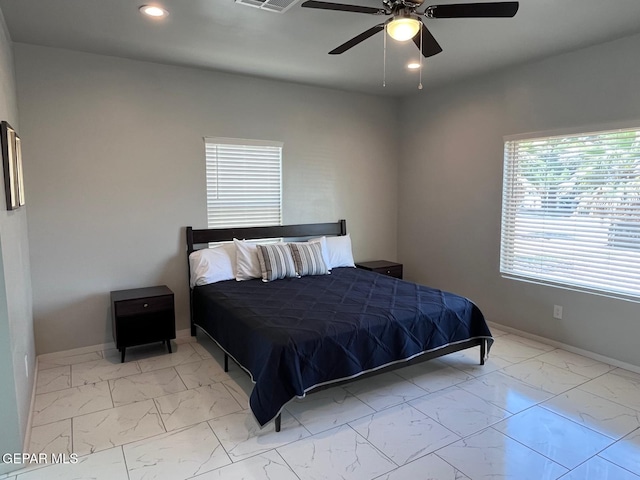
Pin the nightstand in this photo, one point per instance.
(143, 315)
(384, 267)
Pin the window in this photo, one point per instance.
(571, 211)
(244, 182)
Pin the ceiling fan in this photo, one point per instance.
(405, 23)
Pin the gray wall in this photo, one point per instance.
(450, 181)
(116, 170)
(16, 323)
(11, 438)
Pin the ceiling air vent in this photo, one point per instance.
(278, 6)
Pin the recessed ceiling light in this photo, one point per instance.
(413, 65)
(153, 11)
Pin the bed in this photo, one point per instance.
(294, 336)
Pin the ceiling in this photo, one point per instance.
(293, 46)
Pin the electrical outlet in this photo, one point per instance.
(26, 364)
(557, 312)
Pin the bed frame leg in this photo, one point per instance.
(483, 351)
(226, 362)
(278, 422)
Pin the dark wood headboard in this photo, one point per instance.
(196, 237)
(202, 237)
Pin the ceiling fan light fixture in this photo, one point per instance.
(403, 28)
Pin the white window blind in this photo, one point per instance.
(244, 182)
(571, 211)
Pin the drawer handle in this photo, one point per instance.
(145, 305)
(388, 271)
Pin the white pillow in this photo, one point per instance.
(338, 251)
(211, 265)
(247, 263)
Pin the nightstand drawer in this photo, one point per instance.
(395, 271)
(144, 305)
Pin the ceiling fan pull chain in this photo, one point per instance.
(420, 55)
(384, 58)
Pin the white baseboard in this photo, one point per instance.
(97, 348)
(569, 348)
(77, 351)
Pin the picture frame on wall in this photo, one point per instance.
(12, 165)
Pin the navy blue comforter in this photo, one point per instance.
(297, 333)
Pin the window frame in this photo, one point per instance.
(240, 143)
(507, 199)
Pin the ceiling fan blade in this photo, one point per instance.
(356, 40)
(473, 10)
(341, 7)
(430, 46)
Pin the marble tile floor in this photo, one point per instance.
(533, 412)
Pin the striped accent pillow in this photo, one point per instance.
(308, 259)
(276, 262)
